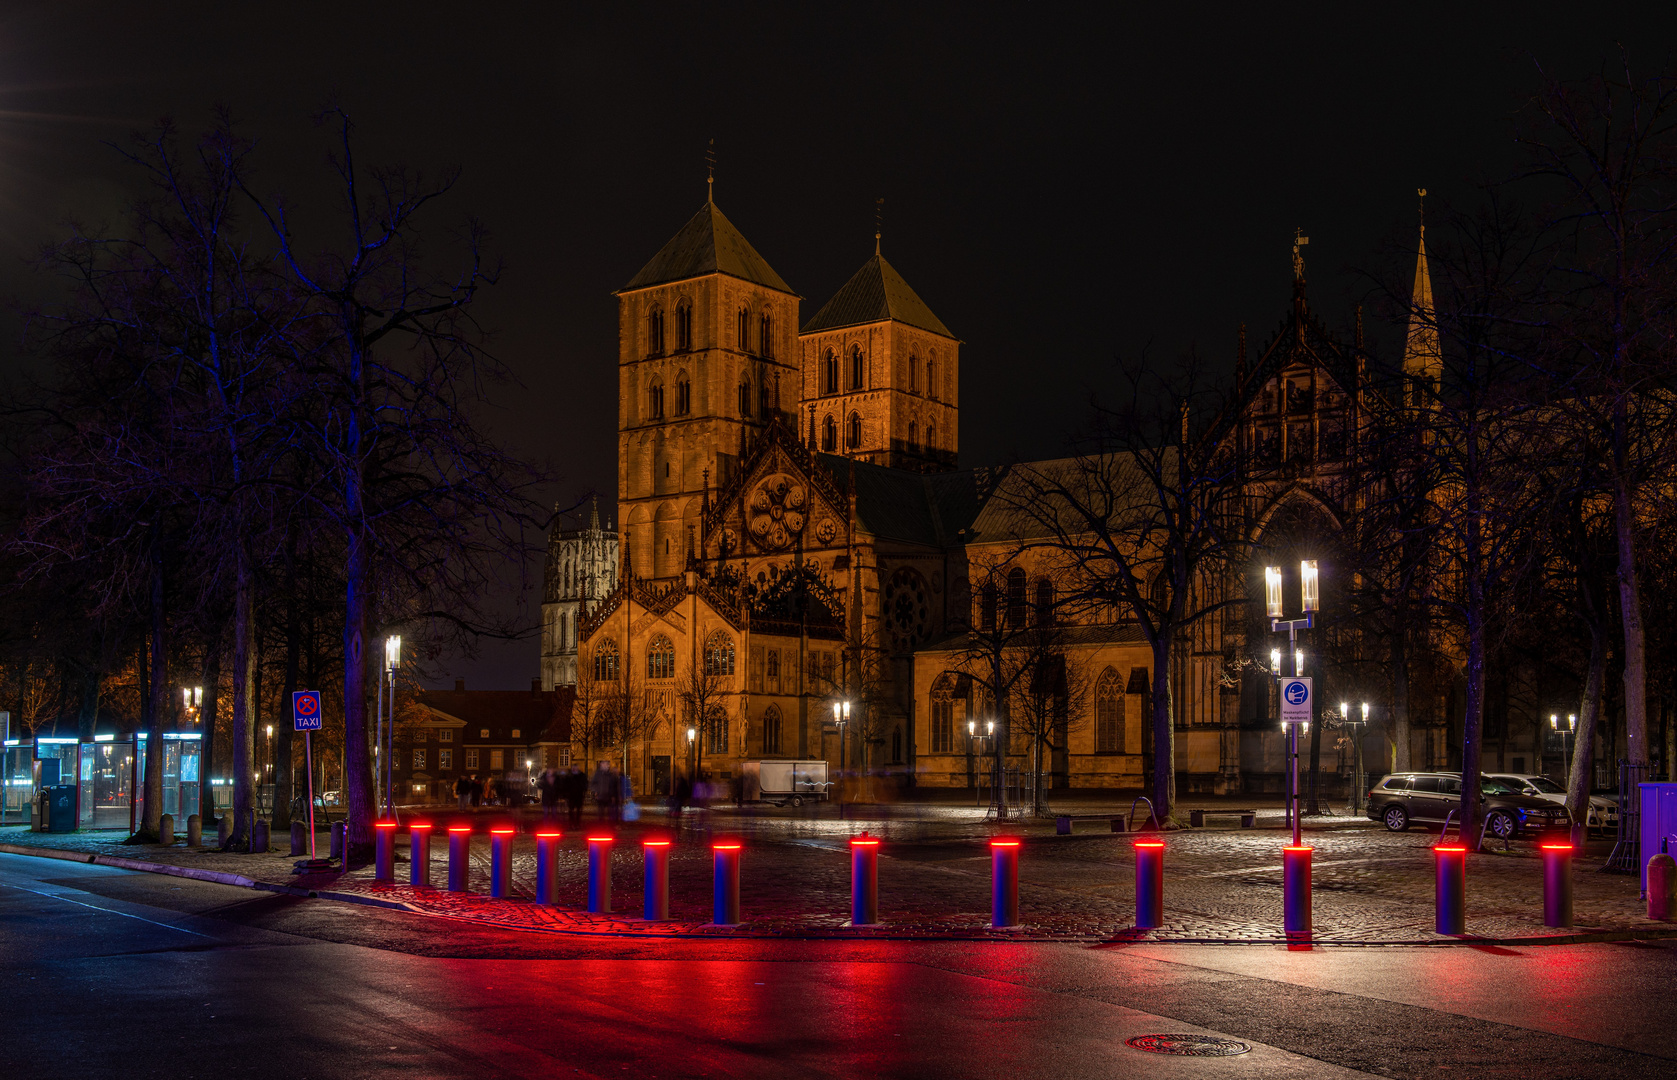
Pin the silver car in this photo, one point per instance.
(1603, 812)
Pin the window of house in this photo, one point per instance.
(471, 759)
(445, 734)
(683, 395)
(943, 717)
(1016, 597)
(1044, 602)
(745, 330)
(719, 655)
(771, 730)
(605, 661)
(655, 333)
(1109, 713)
(497, 760)
(483, 734)
(988, 606)
(565, 757)
(765, 336)
(856, 367)
(716, 735)
(660, 659)
(516, 734)
(855, 436)
(684, 327)
(419, 759)
(445, 759)
(655, 399)
(829, 373)
(745, 398)
(829, 435)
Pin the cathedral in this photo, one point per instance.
(794, 533)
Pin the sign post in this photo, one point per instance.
(1295, 717)
(305, 717)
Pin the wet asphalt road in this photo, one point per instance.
(108, 972)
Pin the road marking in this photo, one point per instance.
(108, 911)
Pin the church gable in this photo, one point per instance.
(780, 500)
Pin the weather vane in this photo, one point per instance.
(1422, 192)
(710, 167)
(1299, 240)
(878, 222)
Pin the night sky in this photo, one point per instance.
(1062, 182)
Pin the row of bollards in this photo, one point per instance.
(1450, 883)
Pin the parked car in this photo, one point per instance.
(1603, 813)
(1402, 799)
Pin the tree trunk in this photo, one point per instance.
(207, 721)
(1473, 723)
(88, 720)
(1583, 742)
(1630, 607)
(244, 678)
(284, 786)
(358, 759)
(157, 704)
(1400, 699)
(1164, 731)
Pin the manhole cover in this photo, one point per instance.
(1188, 1045)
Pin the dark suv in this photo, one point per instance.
(1429, 797)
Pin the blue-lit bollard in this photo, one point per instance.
(599, 873)
(727, 890)
(500, 862)
(1295, 889)
(459, 858)
(864, 880)
(1149, 883)
(1450, 890)
(384, 851)
(1557, 884)
(1004, 882)
(547, 867)
(656, 905)
(419, 853)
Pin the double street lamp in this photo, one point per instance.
(692, 744)
(1356, 727)
(972, 737)
(385, 736)
(1570, 729)
(1310, 596)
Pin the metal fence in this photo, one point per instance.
(1627, 855)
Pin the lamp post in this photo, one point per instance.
(841, 717)
(972, 737)
(1310, 596)
(1356, 727)
(392, 660)
(692, 741)
(1571, 727)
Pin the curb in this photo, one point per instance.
(1111, 941)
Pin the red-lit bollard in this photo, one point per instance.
(419, 853)
(1149, 883)
(727, 906)
(384, 851)
(1557, 884)
(656, 895)
(1450, 892)
(1295, 889)
(459, 858)
(1004, 881)
(864, 880)
(599, 873)
(547, 867)
(500, 861)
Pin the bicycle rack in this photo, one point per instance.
(1507, 841)
(1129, 822)
(1442, 833)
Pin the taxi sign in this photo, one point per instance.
(305, 710)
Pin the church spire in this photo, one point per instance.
(594, 515)
(1299, 240)
(1423, 363)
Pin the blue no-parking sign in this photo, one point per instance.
(305, 710)
(1295, 701)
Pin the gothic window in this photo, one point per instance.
(943, 716)
(987, 607)
(855, 434)
(774, 667)
(655, 399)
(683, 395)
(829, 373)
(563, 640)
(765, 335)
(1016, 597)
(660, 658)
(771, 730)
(745, 330)
(745, 398)
(763, 397)
(1109, 713)
(1044, 602)
(913, 445)
(896, 746)
(855, 367)
(605, 661)
(931, 381)
(829, 435)
(716, 731)
(655, 332)
(960, 603)
(684, 327)
(914, 374)
(719, 655)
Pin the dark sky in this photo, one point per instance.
(1062, 182)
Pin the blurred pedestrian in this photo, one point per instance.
(462, 791)
(548, 786)
(492, 791)
(680, 794)
(576, 791)
(477, 791)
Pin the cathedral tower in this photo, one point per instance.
(880, 375)
(707, 352)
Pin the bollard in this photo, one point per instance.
(384, 852)
(166, 830)
(419, 853)
(1004, 882)
(1450, 889)
(223, 829)
(1295, 881)
(864, 880)
(194, 831)
(1149, 883)
(338, 830)
(299, 838)
(656, 853)
(599, 873)
(727, 891)
(258, 837)
(459, 858)
(547, 867)
(1662, 885)
(500, 861)
(1557, 884)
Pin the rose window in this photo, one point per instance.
(777, 511)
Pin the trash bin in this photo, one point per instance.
(61, 808)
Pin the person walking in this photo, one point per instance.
(576, 791)
(681, 792)
(548, 786)
(492, 791)
(477, 791)
(462, 791)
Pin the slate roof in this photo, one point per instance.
(540, 715)
(917, 508)
(707, 244)
(875, 293)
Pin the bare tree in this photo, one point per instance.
(590, 713)
(1052, 703)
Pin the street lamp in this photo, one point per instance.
(841, 717)
(1571, 727)
(974, 736)
(1356, 727)
(1311, 599)
(387, 721)
(692, 737)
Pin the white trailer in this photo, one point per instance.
(782, 782)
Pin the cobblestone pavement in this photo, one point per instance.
(1222, 885)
